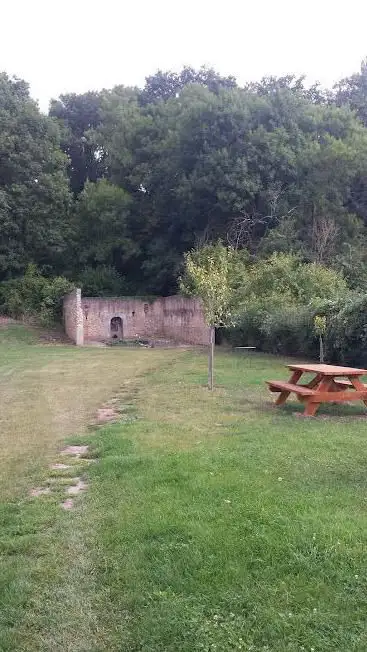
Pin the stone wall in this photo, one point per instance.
(183, 320)
(175, 318)
(73, 317)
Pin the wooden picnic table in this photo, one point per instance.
(330, 384)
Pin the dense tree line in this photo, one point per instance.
(113, 187)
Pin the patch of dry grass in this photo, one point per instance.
(49, 393)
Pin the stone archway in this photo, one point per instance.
(116, 328)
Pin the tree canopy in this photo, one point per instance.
(125, 181)
(35, 200)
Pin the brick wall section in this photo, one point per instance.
(73, 317)
(175, 318)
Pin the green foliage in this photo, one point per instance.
(352, 91)
(202, 164)
(77, 115)
(101, 228)
(281, 299)
(287, 330)
(283, 280)
(101, 281)
(272, 167)
(320, 325)
(346, 337)
(34, 295)
(208, 275)
(164, 85)
(295, 330)
(34, 196)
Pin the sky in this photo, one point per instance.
(80, 45)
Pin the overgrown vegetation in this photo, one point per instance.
(112, 188)
(279, 304)
(34, 295)
(128, 180)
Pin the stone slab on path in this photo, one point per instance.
(77, 451)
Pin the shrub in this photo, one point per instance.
(34, 295)
(283, 280)
(291, 330)
(346, 337)
(281, 297)
(287, 330)
(247, 331)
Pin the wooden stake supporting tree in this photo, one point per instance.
(209, 275)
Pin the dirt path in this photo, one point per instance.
(49, 393)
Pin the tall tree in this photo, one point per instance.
(352, 91)
(78, 114)
(204, 164)
(34, 195)
(101, 227)
(164, 85)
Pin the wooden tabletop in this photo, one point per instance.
(328, 369)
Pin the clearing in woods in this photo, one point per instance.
(210, 521)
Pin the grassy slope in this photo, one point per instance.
(212, 522)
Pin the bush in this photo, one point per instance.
(287, 331)
(291, 330)
(34, 295)
(281, 296)
(283, 280)
(346, 337)
(247, 331)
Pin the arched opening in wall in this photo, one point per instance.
(116, 330)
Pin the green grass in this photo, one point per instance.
(212, 522)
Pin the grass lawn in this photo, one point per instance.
(211, 521)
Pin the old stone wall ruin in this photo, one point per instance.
(98, 319)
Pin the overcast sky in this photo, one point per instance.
(78, 45)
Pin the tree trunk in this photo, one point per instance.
(321, 350)
(211, 358)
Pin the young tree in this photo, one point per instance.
(209, 274)
(320, 330)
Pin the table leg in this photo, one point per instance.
(296, 375)
(312, 404)
(359, 386)
(311, 409)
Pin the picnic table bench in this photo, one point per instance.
(331, 384)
